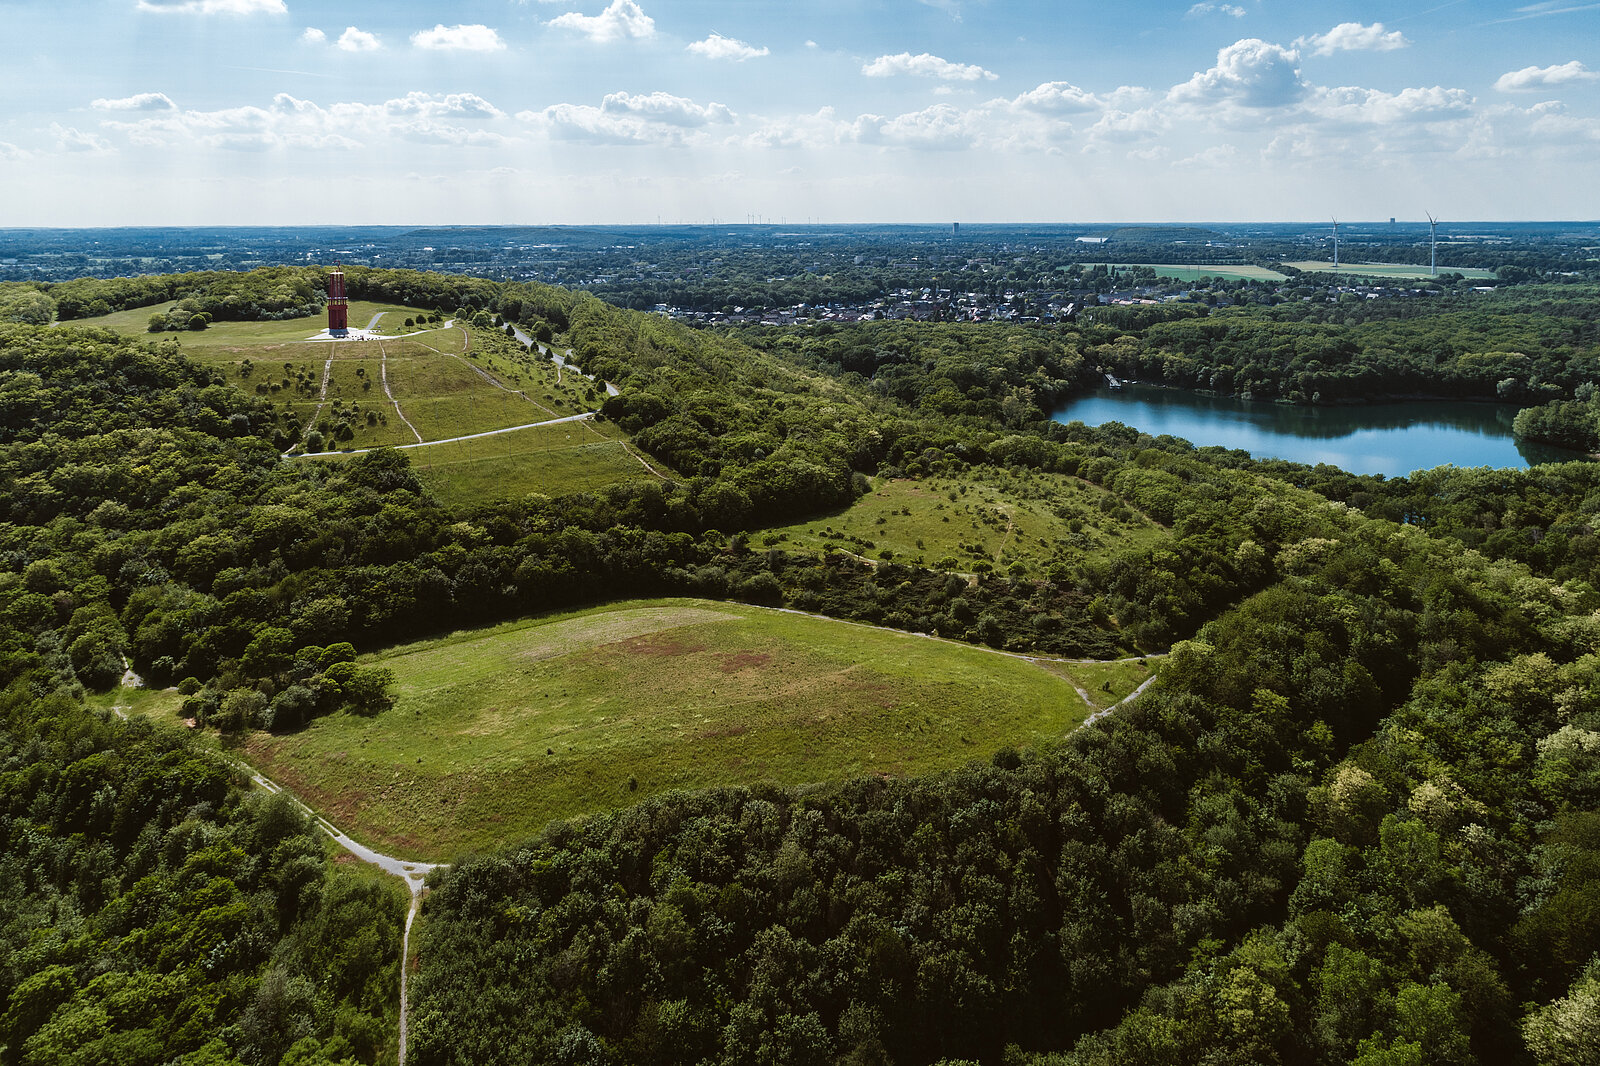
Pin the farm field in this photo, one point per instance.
(1192, 272)
(988, 518)
(1386, 270)
(497, 732)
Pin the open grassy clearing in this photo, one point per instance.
(1386, 270)
(987, 517)
(496, 732)
(1106, 683)
(571, 457)
(1189, 272)
(160, 705)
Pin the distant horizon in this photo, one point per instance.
(930, 224)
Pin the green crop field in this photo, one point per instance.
(499, 731)
(1386, 270)
(988, 517)
(1192, 272)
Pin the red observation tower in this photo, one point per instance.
(338, 306)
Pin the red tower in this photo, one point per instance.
(338, 307)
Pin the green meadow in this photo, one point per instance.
(1191, 272)
(1387, 270)
(569, 457)
(497, 732)
(988, 517)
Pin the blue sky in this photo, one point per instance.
(153, 112)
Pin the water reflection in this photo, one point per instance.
(1391, 438)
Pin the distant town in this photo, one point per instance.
(759, 274)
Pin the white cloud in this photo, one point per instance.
(1223, 9)
(940, 127)
(1059, 98)
(621, 19)
(293, 123)
(664, 107)
(719, 47)
(1530, 78)
(925, 66)
(1126, 127)
(1374, 107)
(314, 36)
(137, 102)
(628, 118)
(474, 38)
(452, 105)
(74, 140)
(354, 40)
(11, 151)
(215, 7)
(1353, 37)
(1216, 157)
(1251, 73)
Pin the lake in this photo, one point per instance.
(1392, 439)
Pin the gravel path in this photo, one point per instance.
(452, 440)
(412, 873)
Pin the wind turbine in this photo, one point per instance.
(1433, 246)
(1336, 244)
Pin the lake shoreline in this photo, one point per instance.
(1394, 437)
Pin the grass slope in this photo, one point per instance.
(987, 515)
(447, 382)
(572, 457)
(497, 732)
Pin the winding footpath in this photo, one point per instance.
(414, 874)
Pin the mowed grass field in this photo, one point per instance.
(988, 515)
(497, 732)
(1387, 270)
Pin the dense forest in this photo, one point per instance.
(1354, 820)
(1526, 345)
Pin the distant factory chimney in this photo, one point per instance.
(338, 306)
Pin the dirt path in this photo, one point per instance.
(412, 873)
(383, 372)
(322, 396)
(1129, 698)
